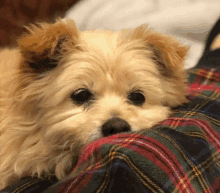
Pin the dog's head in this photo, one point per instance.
(78, 86)
(96, 83)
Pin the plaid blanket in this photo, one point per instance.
(180, 154)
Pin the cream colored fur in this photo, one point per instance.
(42, 131)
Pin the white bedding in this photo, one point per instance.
(188, 20)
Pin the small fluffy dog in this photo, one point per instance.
(63, 88)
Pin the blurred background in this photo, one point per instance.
(188, 20)
(14, 14)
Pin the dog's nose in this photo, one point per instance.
(115, 125)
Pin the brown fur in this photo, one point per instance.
(42, 131)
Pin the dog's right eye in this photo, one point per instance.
(136, 98)
(81, 96)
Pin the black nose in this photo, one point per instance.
(115, 125)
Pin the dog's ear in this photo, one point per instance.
(169, 55)
(45, 44)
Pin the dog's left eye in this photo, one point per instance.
(136, 98)
(81, 96)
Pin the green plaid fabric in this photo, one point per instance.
(180, 154)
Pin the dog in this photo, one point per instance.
(62, 88)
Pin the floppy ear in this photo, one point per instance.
(169, 56)
(168, 53)
(45, 44)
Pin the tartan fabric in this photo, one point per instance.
(180, 154)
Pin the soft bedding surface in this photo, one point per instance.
(180, 154)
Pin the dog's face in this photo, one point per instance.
(96, 83)
(76, 87)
